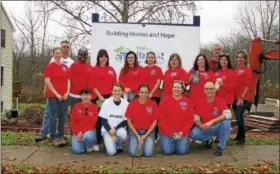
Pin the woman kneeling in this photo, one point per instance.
(83, 120)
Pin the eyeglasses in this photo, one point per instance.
(209, 89)
(65, 46)
(86, 112)
(143, 92)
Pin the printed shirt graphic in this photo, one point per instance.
(151, 76)
(113, 113)
(132, 79)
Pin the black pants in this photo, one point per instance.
(239, 114)
(99, 137)
(157, 100)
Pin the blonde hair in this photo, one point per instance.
(244, 54)
(57, 48)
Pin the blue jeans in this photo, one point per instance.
(221, 129)
(168, 145)
(78, 147)
(110, 145)
(58, 112)
(46, 120)
(148, 146)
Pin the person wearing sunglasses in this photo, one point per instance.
(242, 93)
(131, 76)
(176, 117)
(114, 122)
(212, 118)
(66, 60)
(142, 116)
(83, 120)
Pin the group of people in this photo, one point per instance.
(144, 102)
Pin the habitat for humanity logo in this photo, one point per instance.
(141, 53)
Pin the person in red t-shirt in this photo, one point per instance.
(131, 76)
(176, 116)
(175, 71)
(214, 61)
(83, 119)
(241, 96)
(102, 78)
(226, 81)
(198, 76)
(58, 88)
(142, 116)
(212, 119)
(79, 76)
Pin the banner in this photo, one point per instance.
(119, 38)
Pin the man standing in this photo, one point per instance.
(212, 119)
(65, 45)
(214, 61)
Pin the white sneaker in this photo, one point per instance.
(96, 148)
(90, 149)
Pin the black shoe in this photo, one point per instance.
(240, 142)
(119, 150)
(217, 139)
(40, 138)
(209, 144)
(219, 152)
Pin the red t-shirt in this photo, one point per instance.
(170, 75)
(152, 75)
(79, 75)
(213, 64)
(142, 115)
(244, 79)
(197, 89)
(133, 79)
(226, 90)
(82, 120)
(59, 75)
(103, 79)
(208, 111)
(176, 115)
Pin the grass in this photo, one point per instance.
(210, 168)
(23, 106)
(258, 140)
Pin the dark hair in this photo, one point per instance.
(57, 48)
(178, 57)
(195, 66)
(153, 53)
(126, 65)
(143, 86)
(84, 91)
(101, 53)
(229, 66)
(64, 41)
(180, 82)
(244, 54)
(118, 85)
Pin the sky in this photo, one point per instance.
(216, 17)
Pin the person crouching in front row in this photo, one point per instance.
(212, 119)
(83, 120)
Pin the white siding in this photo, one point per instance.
(7, 63)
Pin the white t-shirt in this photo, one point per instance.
(68, 62)
(113, 113)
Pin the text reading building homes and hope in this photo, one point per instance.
(140, 34)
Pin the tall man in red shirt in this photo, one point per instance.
(212, 119)
(214, 61)
(83, 120)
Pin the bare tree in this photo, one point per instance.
(19, 54)
(174, 11)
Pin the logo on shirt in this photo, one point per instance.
(173, 74)
(240, 71)
(111, 72)
(216, 74)
(149, 109)
(153, 72)
(64, 69)
(204, 74)
(135, 72)
(79, 111)
(216, 111)
(183, 105)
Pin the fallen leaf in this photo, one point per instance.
(12, 158)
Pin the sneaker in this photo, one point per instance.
(96, 148)
(119, 150)
(63, 141)
(40, 138)
(57, 143)
(219, 151)
(217, 139)
(90, 149)
(209, 144)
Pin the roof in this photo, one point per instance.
(5, 12)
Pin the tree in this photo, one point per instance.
(19, 54)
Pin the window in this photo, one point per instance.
(2, 106)
(3, 38)
(2, 75)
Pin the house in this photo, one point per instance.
(7, 45)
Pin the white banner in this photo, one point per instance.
(118, 39)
